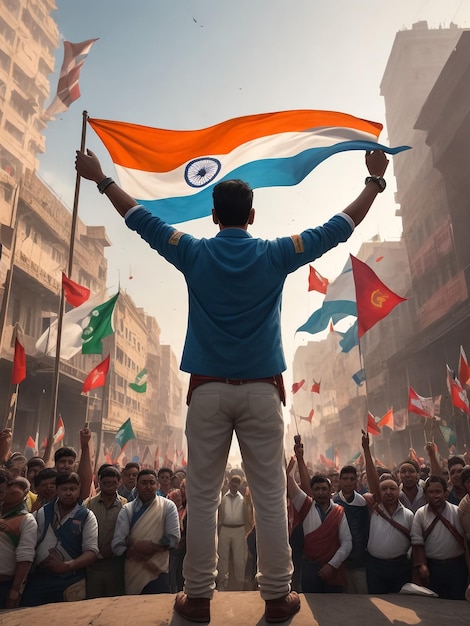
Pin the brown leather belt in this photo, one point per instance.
(197, 380)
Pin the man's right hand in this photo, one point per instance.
(365, 440)
(88, 166)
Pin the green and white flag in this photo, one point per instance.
(125, 433)
(140, 383)
(100, 325)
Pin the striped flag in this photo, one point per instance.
(173, 172)
(68, 89)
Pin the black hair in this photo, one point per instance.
(67, 477)
(61, 452)
(465, 475)
(455, 460)
(319, 478)
(164, 470)
(410, 462)
(233, 200)
(36, 461)
(109, 472)
(45, 474)
(435, 478)
(146, 472)
(348, 469)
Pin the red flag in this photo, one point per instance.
(419, 405)
(374, 300)
(31, 443)
(97, 376)
(60, 432)
(297, 386)
(372, 427)
(309, 417)
(386, 420)
(378, 462)
(108, 458)
(464, 369)
(458, 395)
(74, 293)
(332, 328)
(316, 282)
(18, 373)
(315, 387)
(68, 90)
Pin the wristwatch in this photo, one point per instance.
(378, 180)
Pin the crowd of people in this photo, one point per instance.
(378, 531)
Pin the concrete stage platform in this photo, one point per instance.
(247, 609)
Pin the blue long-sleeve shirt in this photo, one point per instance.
(235, 287)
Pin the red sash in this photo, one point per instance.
(322, 544)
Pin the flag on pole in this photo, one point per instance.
(359, 377)
(97, 376)
(59, 433)
(308, 418)
(18, 372)
(68, 89)
(316, 282)
(74, 293)
(173, 172)
(140, 383)
(372, 427)
(100, 325)
(298, 385)
(464, 369)
(420, 405)
(350, 338)
(73, 323)
(458, 395)
(31, 445)
(315, 386)
(374, 300)
(387, 420)
(125, 433)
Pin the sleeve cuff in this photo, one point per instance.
(345, 216)
(132, 210)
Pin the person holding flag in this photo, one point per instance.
(233, 351)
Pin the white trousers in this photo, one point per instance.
(232, 540)
(253, 412)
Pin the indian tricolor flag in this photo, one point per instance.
(172, 172)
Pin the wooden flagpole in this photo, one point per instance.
(56, 376)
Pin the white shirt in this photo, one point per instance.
(357, 500)
(385, 541)
(418, 501)
(441, 543)
(89, 534)
(232, 509)
(24, 551)
(313, 521)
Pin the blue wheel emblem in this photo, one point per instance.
(200, 172)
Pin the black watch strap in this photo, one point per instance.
(378, 180)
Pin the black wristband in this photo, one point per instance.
(104, 184)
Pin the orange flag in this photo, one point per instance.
(74, 293)
(374, 300)
(387, 420)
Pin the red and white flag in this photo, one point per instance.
(97, 376)
(420, 405)
(387, 420)
(316, 282)
(68, 89)
(372, 427)
(60, 432)
(458, 395)
(18, 372)
(75, 294)
(464, 369)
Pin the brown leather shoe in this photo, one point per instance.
(193, 609)
(280, 609)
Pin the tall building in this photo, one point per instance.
(425, 87)
(35, 230)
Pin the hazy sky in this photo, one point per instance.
(183, 65)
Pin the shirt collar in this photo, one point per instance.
(233, 232)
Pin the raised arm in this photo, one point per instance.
(372, 476)
(89, 167)
(303, 469)
(376, 163)
(435, 465)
